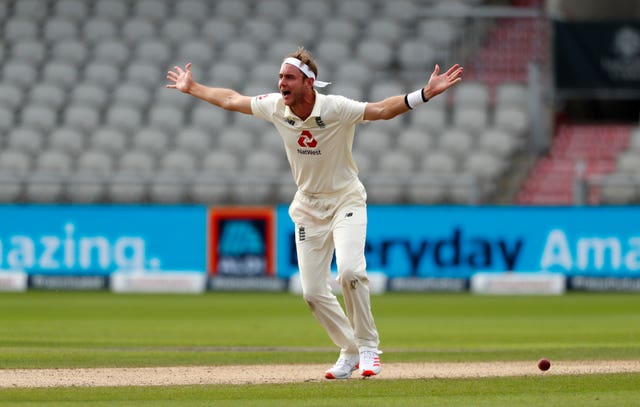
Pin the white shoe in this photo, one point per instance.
(343, 368)
(370, 363)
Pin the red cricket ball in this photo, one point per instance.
(544, 364)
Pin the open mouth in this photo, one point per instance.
(286, 92)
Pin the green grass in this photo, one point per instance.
(40, 329)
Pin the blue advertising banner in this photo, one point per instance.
(432, 241)
(97, 240)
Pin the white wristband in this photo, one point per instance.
(415, 98)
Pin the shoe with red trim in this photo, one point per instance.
(370, 363)
(343, 368)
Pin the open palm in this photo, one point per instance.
(182, 79)
(438, 83)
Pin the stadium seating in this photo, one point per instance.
(85, 115)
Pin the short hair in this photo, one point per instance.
(305, 56)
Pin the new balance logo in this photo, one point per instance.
(302, 235)
(348, 215)
(320, 123)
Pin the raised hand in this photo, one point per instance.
(439, 83)
(181, 79)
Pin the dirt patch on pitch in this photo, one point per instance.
(263, 374)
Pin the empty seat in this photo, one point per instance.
(273, 10)
(101, 73)
(438, 33)
(628, 162)
(71, 51)
(484, 165)
(333, 52)
(353, 71)
(151, 140)
(88, 184)
(59, 29)
(192, 10)
(82, 118)
(40, 118)
(232, 9)
(47, 94)
(317, 10)
(200, 53)
(400, 10)
(375, 53)
(47, 182)
(382, 90)
(25, 139)
(235, 139)
(438, 162)
(512, 119)
(15, 166)
(241, 51)
(474, 94)
(30, 9)
(356, 10)
(21, 74)
(153, 51)
(219, 30)
(178, 31)
(20, 29)
(227, 74)
(99, 29)
(125, 118)
(114, 52)
(415, 141)
(193, 140)
(131, 94)
(67, 140)
(619, 189)
(11, 96)
(457, 142)
(301, 30)
(340, 29)
(108, 139)
(416, 55)
(498, 142)
(383, 30)
(76, 10)
(429, 118)
(208, 118)
(29, 51)
(89, 94)
(511, 94)
(7, 119)
(372, 141)
(363, 161)
(166, 118)
(212, 184)
(127, 188)
(136, 30)
(260, 30)
(470, 118)
(60, 74)
(115, 10)
(151, 9)
(137, 162)
(145, 74)
(349, 90)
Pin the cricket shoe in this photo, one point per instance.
(370, 363)
(343, 367)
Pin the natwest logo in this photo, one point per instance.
(306, 140)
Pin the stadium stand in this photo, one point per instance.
(82, 98)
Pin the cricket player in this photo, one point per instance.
(329, 207)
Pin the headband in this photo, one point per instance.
(305, 70)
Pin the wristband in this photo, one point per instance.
(415, 98)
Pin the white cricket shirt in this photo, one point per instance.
(318, 148)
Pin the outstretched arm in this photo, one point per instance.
(227, 99)
(395, 105)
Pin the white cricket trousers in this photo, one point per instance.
(336, 222)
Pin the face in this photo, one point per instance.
(292, 84)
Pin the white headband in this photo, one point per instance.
(305, 70)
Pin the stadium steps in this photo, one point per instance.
(587, 149)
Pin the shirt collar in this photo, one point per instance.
(315, 112)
